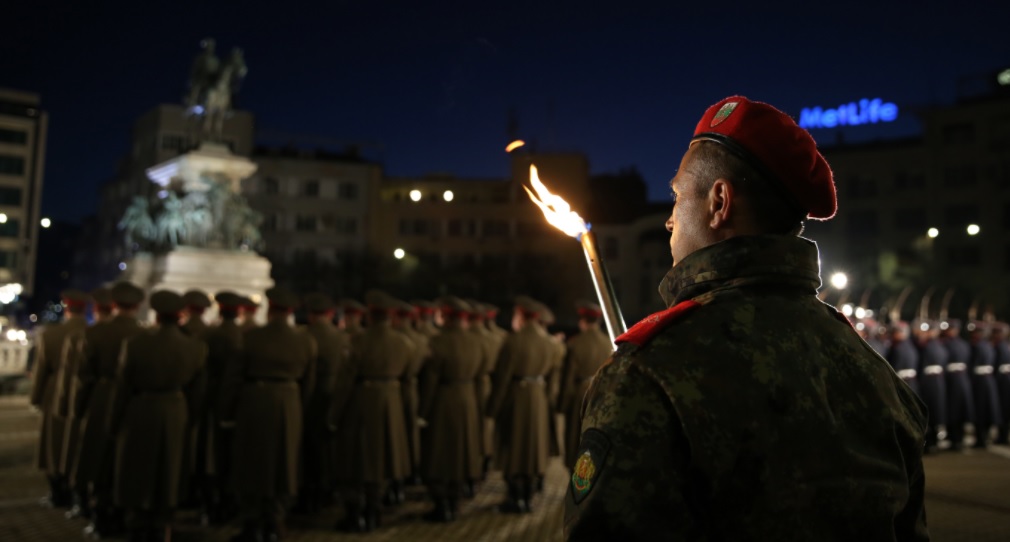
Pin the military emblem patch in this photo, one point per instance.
(593, 453)
(723, 113)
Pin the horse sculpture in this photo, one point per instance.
(212, 87)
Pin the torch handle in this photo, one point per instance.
(604, 289)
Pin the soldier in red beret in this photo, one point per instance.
(749, 409)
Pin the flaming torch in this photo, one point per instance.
(560, 215)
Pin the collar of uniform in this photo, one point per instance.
(744, 260)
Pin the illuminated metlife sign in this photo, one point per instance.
(865, 111)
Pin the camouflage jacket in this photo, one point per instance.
(748, 410)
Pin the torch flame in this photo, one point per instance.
(557, 211)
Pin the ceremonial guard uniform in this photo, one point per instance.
(932, 382)
(264, 393)
(586, 353)
(72, 444)
(51, 390)
(520, 406)
(960, 402)
(490, 345)
(749, 409)
(409, 388)
(999, 342)
(452, 448)
(161, 380)
(903, 356)
(983, 384)
(371, 433)
(214, 450)
(334, 346)
(488, 426)
(193, 479)
(96, 380)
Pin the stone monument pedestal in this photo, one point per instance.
(212, 257)
(210, 270)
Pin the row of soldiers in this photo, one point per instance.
(240, 416)
(963, 382)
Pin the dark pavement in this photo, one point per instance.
(968, 498)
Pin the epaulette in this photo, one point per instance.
(650, 326)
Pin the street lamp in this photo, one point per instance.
(973, 229)
(448, 195)
(399, 254)
(839, 280)
(415, 195)
(932, 233)
(3, 218)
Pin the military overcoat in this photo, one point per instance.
(96, 381)
(372, 435)
(519, 402)
(334, 347)
(452, 445)
(50, 390)
(160, 382)
(264, 393)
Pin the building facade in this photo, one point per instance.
(23, 126)
(315, 216)
(930, 213)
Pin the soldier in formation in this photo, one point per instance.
(932, 384)
(51, 391)
(520, 405)
(372, 432)
(453, 455)
(334, 348)
(233, 418)
(160, 381)
(264, 392)
(94, 402)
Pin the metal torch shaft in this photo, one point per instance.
(604, 289)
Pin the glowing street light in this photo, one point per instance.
(847, 309)
(514, 145)
(415, 195)
(1004, 77)
(839, 280)
(932, 233)
(399, 253)
(46, 222)
(448, 195)
(973, 229)
(860, 313)
(3, 218)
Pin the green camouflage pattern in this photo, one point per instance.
(759, 415)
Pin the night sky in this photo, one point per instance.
(432, 82)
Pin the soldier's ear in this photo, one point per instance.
(720, 203)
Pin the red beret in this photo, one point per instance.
(772, 143)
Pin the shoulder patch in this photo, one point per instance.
(593, 450)
(645, 330)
